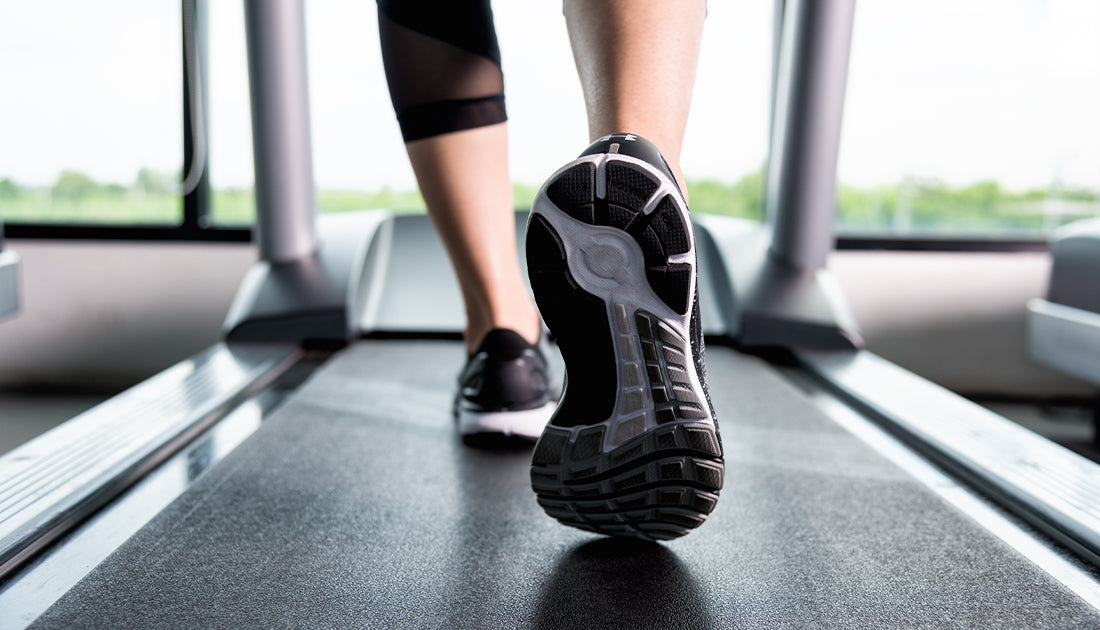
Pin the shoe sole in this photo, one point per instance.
(633, 449)
(525, 424)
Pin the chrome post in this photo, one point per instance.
(286, 222)
(808, 107)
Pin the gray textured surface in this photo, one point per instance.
(356, 506)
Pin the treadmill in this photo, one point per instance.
(306, 472)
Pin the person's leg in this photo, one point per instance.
(636, 60)
(633, 447)
(464, 179)
(443, 69)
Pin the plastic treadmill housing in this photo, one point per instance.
(1064, 329)
(9, 279)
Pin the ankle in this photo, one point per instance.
(525, 322)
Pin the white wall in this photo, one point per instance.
(112, 313)
(958, 319)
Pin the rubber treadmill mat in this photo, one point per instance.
(356, 505)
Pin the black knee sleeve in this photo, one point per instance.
(442, 65)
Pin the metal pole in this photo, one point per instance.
(286, 219)
(805, 139)
(196, 157)
(777, 43)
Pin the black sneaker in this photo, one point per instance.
(633, 448)
(504, 389)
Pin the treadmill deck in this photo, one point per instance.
(356, 505)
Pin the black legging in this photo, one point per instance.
(442, 65)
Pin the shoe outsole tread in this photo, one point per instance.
(633, 449)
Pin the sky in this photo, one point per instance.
(1006, 90)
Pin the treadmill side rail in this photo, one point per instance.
(1050, 486)
(54, 481)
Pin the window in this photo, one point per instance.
(91, 104)
(228, 117)
(726, 144)
(93, 134)
(961, 119)
(971, 118)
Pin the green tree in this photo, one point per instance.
(744, 199)
(116, 191)
(73, 186)
(8, 189)
(151, 182)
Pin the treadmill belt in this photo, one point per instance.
(356, 505)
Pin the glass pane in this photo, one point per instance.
(971, 118)
(90, 131)
(232, 200)
(726, 144)
(359, 160)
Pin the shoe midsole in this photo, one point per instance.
(525, 423)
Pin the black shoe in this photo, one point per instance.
(504, 389)
(633, 448)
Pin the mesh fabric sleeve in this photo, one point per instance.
(442, 64)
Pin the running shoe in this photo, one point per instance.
(504, 390)
(633, 448)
